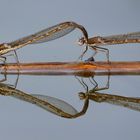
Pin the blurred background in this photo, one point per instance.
(25, 121)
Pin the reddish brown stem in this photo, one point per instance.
(73, 68)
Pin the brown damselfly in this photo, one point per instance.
(97, 42)
(45, 35)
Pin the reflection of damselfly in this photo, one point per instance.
(45, 35)
(62, 108)
(93, 94)
(51, 104)
(96, 42)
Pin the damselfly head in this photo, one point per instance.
(81, 41)
(82, 95)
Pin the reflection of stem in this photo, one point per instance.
(73, 68)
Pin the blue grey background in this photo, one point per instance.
(19, 120)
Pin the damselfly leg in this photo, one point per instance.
(100, 49)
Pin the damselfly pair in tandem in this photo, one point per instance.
(63, 29)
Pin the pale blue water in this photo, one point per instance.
(20, 120)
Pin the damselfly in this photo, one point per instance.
(45, 35)
(98, 41)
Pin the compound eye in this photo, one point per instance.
(81, 41)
